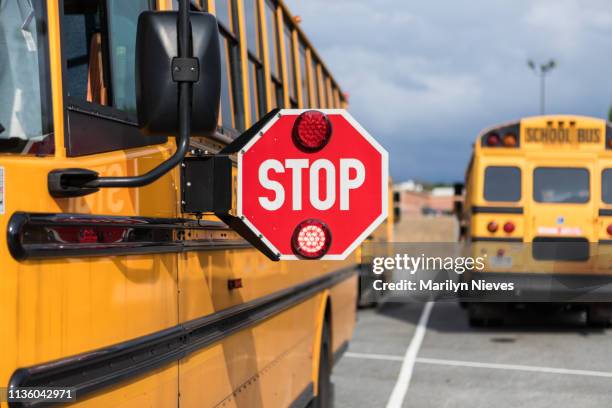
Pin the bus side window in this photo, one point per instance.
(98, 53)
(276, 91)
(289, 63)
(99, 45)
(303, 76)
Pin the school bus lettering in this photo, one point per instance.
(547, 135)
(589, 135)
(551, 135)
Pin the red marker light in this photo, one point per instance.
(234, 283)
(492, 226)
(509, 227)
(493, 140)
(87, 236)
(311, 239)
(311, 131)
(609, 229)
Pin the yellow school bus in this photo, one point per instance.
(108, 289)
(538, 203)
(367, 296)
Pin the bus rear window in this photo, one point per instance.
(560, 185)
(502, 184)
(606, 186)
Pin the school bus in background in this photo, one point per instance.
(118, 294)
(380, 238)
(538, 202)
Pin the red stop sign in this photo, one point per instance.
(305, 188)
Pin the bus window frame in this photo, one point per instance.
(484, 183)
(91, 128)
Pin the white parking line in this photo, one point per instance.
(403, 380)
(371, 356)
(473, 364)
(516, 367)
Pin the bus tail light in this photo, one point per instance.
(493, 140)
(311, 131)
(492, 226)
(509, 227)
(311, 239)
(510, 140)
(609, 229)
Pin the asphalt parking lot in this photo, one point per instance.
(413, 355)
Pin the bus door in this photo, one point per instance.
(85, 273)
(561, 212)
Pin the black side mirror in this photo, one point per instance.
(459, 189)
(157, 92)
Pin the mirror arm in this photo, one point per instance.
(63, 183)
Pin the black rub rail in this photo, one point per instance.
(38, 235)
(93, 371)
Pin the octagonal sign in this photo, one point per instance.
(312, 184)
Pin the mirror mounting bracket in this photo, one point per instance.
(185, 69)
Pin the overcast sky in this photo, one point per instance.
(424, 77)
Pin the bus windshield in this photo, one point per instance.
(561, 185)
(21, 116)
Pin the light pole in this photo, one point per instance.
(541, 70)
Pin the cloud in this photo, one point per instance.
(426, 77)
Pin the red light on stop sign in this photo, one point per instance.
(311, 239)
(311, 131)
